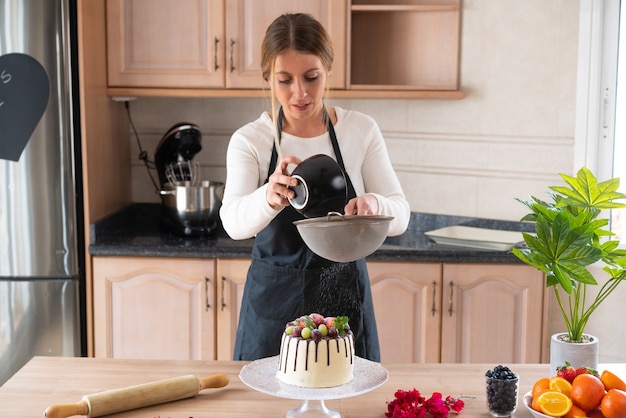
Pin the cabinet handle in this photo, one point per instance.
(433, 309)
(223, 286)
(207, 305)
(232, 60)
(450, 309)
(217, 66)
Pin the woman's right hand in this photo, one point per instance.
(278, 191)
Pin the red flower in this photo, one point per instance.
(455, 404)
(436, 406)
(410, 404)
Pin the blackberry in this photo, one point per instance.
(502, 385)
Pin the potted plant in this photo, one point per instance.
(570, 235)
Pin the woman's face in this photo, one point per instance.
(300, 80)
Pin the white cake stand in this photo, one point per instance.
(260, 375)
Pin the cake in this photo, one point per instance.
(316, 352)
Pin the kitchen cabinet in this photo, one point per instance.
(168, 308)
(458, 313)
(231, 278)
(161, 43)
(407, 301)
(405, 45)
(188, 308)
(154, 308)
(203, 44)
(492, 313)
(247, 21)
(211, 48)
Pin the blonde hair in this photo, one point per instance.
(300, 32)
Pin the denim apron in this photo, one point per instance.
(286, 280)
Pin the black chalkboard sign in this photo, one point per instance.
(24, 93)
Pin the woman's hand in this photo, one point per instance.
(366, 204)
(277, 188)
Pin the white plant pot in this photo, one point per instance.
(577, 354)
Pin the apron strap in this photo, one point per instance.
(333, 140)
(274, 159)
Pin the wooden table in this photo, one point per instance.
(45, 381)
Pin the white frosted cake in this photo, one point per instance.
(317, 352)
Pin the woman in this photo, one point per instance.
(286, 279)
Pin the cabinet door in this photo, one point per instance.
(493, 313)
(154, 308)
(231, 276)
(247, 21)
(407, 304)
(164, 43)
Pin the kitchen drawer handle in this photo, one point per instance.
(434, 306)
(223, 286)
(207, 305)
(217, 66)
(450, 309)
(232, 61)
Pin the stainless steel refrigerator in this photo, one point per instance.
(41, 252)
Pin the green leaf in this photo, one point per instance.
(308, 322)
(341, 323)
(586, 192)
(562, 277)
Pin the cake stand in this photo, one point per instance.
(260, 375)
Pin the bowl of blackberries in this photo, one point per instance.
(502, 388)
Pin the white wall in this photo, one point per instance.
(510, 137)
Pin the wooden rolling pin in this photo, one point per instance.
(138, 396)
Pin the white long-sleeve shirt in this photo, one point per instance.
(245, 210)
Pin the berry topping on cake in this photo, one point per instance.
(316, 326)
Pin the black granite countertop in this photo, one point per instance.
(137, 231)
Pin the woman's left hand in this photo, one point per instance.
(366, 204)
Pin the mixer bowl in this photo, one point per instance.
(192, 209)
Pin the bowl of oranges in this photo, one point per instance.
(578, 392)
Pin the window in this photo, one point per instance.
(618, 219)
(601, 96)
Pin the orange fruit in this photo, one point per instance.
(613, 404)
(541, 386)
(559, 384)
(596, 413)
(587, 391)
(575, 412)
(611, 381)
(555, 404)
